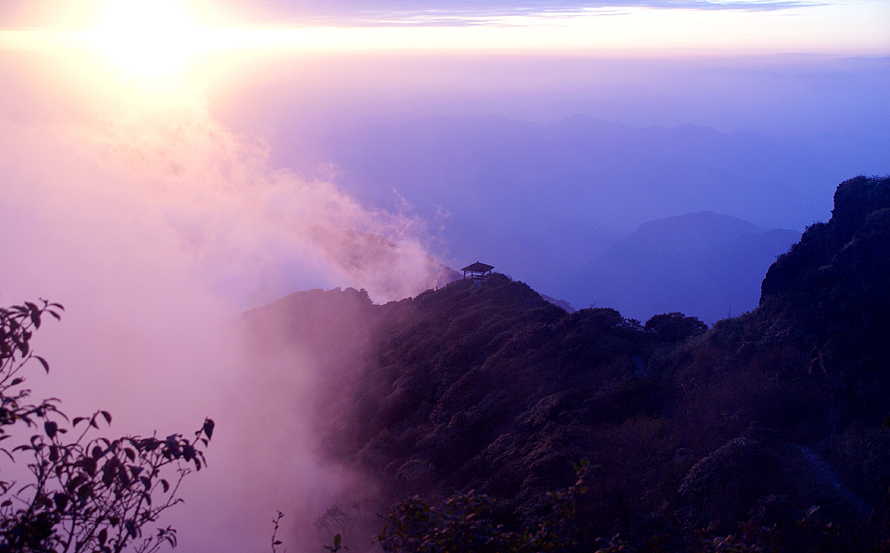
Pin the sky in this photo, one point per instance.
(854, 27)
(165, 169)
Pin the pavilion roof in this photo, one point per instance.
(477, 268)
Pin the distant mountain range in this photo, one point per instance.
(540, 201)
(703, 264)
(581, 169)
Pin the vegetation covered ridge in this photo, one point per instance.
(769, 431)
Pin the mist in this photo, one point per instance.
(157, 227)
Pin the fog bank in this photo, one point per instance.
(156, 227)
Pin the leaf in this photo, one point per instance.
(107, 475)
(107, 416)
(77, 420)
(811, 511)
(89, 466)
(42, 362)
(42, 500)
(35, 317)
(74, 482)
(32, 308)
(51, 428)
(85, 491)
(208, 428)
(61, 501)
(103, 536)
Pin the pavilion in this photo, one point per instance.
(477, 271)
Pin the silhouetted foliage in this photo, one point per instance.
(833, 292)
(84, 494)
(674, 327)
(466, 522)
(720, 439)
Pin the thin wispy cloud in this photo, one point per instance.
(445, 12)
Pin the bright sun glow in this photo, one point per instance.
(153, 39)
(148, 38)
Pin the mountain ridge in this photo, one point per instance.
(692, 433)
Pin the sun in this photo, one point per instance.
(147, 38)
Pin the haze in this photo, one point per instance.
(320, 144)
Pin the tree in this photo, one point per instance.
(84, 493)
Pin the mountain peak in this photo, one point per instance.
(686, 234)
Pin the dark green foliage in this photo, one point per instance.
(864, 457)
(719, 439)
(833, 292)
(674, 327)
(467, 522)
(85, 494)
(491, 370)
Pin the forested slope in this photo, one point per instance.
(693, 434)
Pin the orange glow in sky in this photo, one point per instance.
(151, 39)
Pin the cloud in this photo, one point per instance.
(450, 12)
(174, 173)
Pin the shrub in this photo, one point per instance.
(84, 494)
